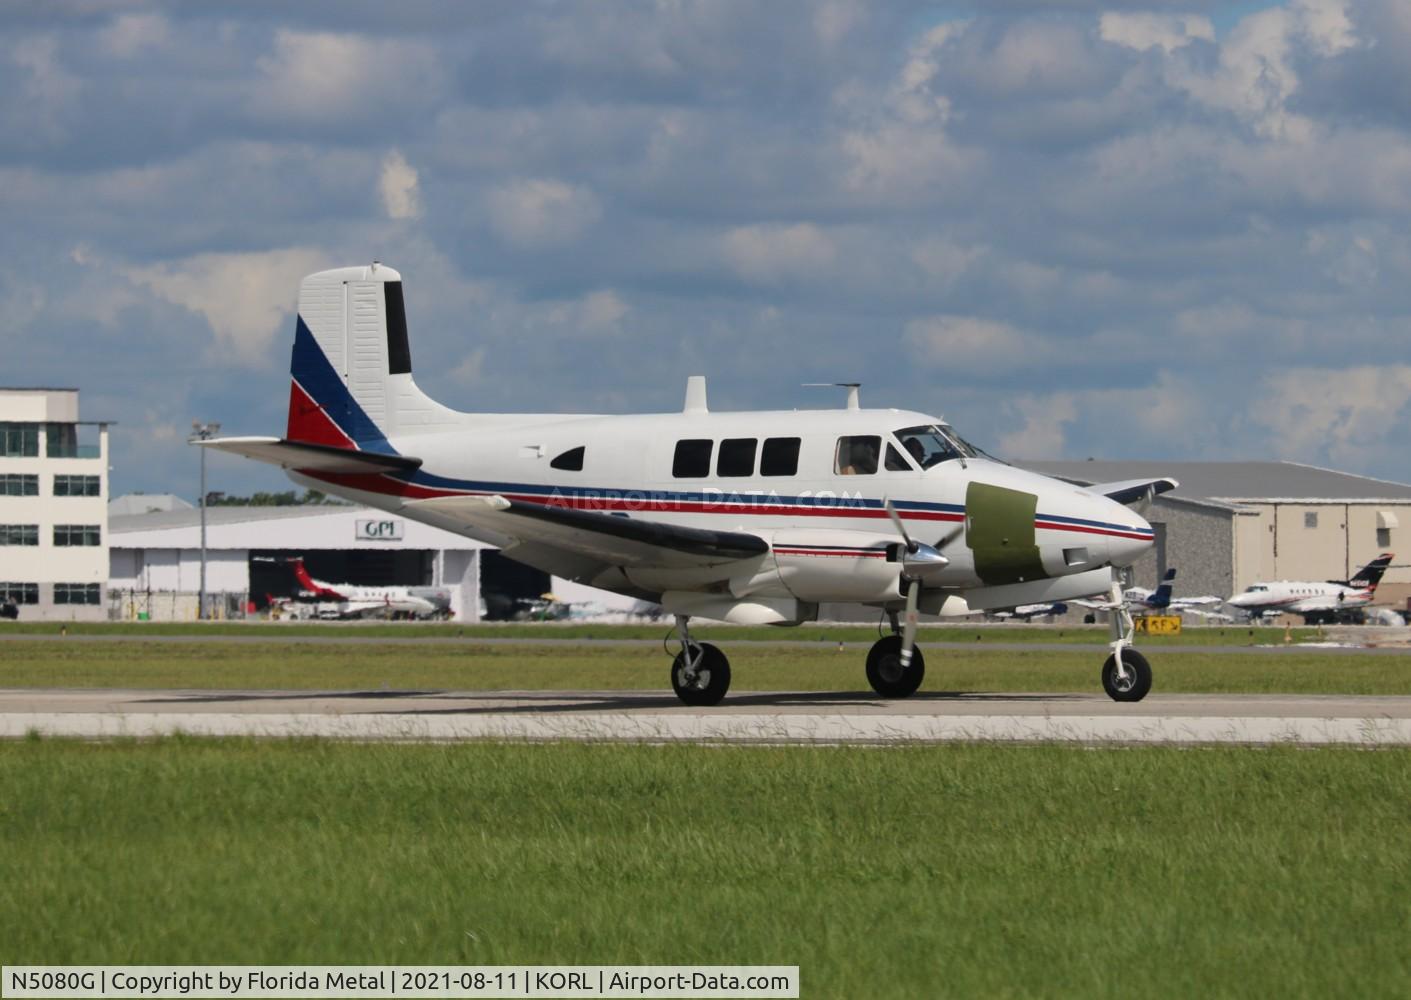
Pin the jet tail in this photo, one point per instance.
(311, 585)
(1370, 575)
(1161, 596)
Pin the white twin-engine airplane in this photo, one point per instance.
(752, 517)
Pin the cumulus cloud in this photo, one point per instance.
(973, 344)
(401, 197)
(771, 253)
(129, 34)
(542, 211)
(246, 298)
(1142, 30)
(1348, 417)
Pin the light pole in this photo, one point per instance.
(202, 432)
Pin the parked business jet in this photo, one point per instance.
(750, 517)
(1161, 600)
(373, 602)
(1315, 602)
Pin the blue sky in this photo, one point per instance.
(1170, 230)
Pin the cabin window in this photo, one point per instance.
(736, 457)
(894, 461)
(779, 457)
(692, 459)
(569, 461)
(857, 456)
(1310, 519)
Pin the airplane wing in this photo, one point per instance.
(1193, 602)
(616, 540)
(1129, 490)
(316, 457)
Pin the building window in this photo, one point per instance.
(19, 440)
(19, 593)
(857, 456)
(569, 461)
(71, 441)
(76, 534)
(19, 534)
(77, 486)
(19, 485)
(76, 593)
(1383, 538)
(780, 457)
(736, 457)
(692, 459)
(1310, 519)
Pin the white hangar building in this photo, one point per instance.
(1230, 524)
(155, 556)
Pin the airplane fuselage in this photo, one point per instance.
(777, 474)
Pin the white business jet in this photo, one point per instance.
(1316, 601)
(751, 517)
(352, 601)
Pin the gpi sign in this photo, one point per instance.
(387, 530)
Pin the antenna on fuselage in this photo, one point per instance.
(851, 387)
(695, 395)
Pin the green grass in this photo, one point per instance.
(594, 666)
(1200, 635)
(907, 872)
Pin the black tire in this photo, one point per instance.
(885, 672)
(1138, 681)
(712, 677)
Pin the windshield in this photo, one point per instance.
(931, 444)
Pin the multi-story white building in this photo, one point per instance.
(53, 506)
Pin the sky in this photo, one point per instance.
(1167, 230)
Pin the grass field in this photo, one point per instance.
(602, 666)
(907, 872)
(1215, 636)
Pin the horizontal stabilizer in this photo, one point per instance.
(1131, 490)
(314, 457)
(617, 540)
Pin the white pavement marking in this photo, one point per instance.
(731, 728)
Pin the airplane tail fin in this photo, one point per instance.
(351, 385)
(1161, 596)
(301, 573)
(1371, 574)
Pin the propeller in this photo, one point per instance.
(918, 560)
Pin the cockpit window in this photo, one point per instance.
(1256, 589)
(932, 444)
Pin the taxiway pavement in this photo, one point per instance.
(748, 717)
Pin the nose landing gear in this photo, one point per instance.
(1126, 676)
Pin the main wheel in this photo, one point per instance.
(711, 679)
(885, 672)
(1135, 685)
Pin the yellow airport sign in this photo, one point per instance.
(1159, 624)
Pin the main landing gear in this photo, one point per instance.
(886, 673)
(700, 673)
(1126, 676)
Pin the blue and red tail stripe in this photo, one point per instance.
(321, 409)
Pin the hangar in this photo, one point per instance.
(1229, 524)
(155, 562)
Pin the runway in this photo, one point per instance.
(748, 717)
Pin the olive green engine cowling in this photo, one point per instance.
(1001, 534)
